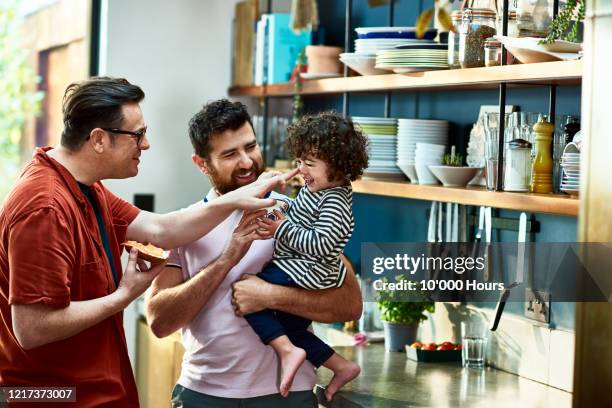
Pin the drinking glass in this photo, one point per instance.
(491, 127)
(474, 341)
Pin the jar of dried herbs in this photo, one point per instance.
(476, 26)
(453, 40)
(493, 53)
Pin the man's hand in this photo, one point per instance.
(250, 295)
(137, 277)
(249, 197)
(273, 173)
(242, 237)
(267, 226)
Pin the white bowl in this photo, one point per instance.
(363, 64)
(409, 170)
(429, 159)
(430, 146)
(528, 50)
(424, 175)
(452, 176)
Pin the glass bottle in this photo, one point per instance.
(453, 41)
(542, 170)
(541, 16)
(476, 26)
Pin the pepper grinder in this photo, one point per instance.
(542, 170)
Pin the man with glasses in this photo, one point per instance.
(62, 290)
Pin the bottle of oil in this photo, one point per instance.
(542, 169)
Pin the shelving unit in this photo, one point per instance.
(550, 74)
(542, 203)
(558, 204)
(544, 73)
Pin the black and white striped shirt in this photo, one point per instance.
(310, 241)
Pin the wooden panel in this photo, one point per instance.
(58, 24)
(157, 366)
(242, 59)
(593, 364)
(541, 203)
(63, 24)
(561, 73)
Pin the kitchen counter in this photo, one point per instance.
(390, 380)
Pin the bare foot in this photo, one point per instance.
(291, 359)
(343, 373)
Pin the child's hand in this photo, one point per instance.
(267, 227)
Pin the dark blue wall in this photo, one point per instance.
(386, 219)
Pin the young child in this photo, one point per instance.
(331, 153)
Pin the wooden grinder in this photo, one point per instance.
(542, 180)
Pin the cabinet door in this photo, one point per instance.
(158, 365)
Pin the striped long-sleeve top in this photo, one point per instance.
(309, 242)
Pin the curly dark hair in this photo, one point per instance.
(95, 102)
(214, 118)
(333, 138)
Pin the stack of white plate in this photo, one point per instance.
(570, 162)
(413, 131)
(427, 154)
(413, 57)
(382, 152)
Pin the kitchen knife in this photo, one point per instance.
(520, 270)
(449, 222)
(431, 228)
(487, 252)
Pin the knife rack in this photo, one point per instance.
(507, 224)
(501, 223)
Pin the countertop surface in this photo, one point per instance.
(390, 380)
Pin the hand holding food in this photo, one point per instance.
(148, 252)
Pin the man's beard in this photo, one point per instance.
(224, 187)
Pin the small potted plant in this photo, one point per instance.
(401, 314)
(452, 172)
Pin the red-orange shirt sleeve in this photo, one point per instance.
(120, 209)
(41, 259)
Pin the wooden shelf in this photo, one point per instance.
(538, 203)
(544, 73)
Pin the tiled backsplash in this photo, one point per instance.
(518, 346)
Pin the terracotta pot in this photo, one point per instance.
(323, 59)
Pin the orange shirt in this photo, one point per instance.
(51, 253)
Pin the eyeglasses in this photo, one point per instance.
(138, 135)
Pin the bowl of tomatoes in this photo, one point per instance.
(434, 352)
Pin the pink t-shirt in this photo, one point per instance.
(224, 357)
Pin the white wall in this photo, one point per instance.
(179, 53)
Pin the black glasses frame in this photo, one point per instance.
(138, 135)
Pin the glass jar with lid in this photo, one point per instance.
(453, 40)
(476, 26)
(513, 28)
(492, 49)
(517, 172)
